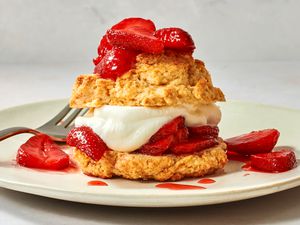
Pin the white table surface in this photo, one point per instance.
(275, 83)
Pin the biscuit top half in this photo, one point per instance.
(170, 78)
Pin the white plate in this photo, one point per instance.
(232, 185)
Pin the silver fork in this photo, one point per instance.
(57, 128)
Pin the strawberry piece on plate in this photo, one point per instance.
(176, 38)
(262, 141)
(103, 48)
(204, 132)
(135, 22)
(192, 146)
(170, 128)
(237, 157)
(87, 141)
(278, 161)
(158, 147)
(41, 152)
(115, 63)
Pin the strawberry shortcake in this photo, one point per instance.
(152, 112)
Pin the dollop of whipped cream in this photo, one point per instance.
(127, 128)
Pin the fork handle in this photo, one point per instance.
(12, 131)
(6, 133)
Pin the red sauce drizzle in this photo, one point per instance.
(246, 174)
(97, 183)
(237, 157)
(173, 186)
(206, 181)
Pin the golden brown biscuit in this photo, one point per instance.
(166, 79)
(160, 168)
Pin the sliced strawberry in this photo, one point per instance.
(205, 131)
(97, 60)
(192, 146)
(237, 157)
(87, 141)
(103, 48)
(262, 141)
(135, 38)
(115, 63)
(158, 147)
(135, 22)
(181, 135)
(176, 38)
(41, 152)
(170, 128)
(278, 161)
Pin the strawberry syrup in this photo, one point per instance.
(206, 181)
(173, 186)
(72, 168)
(97, 183)
(248, 167)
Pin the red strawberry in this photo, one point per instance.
(278, 161)
(262, 141)
(170, 128)
(205, 131)
(237, 157)
(103, 48)
(158, 147)
(97, 60)
(87, 141)
(115, 63)
(181, 135)
(192, 146)
(135, 38)
(135, 22)
(176, 38)
(41, 152)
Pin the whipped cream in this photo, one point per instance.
(127, 128)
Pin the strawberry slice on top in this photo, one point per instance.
(41, 152)
(136, 38)
(176, 38)
(136, 34)
(103, 48)
(115, 63)
(135, 22)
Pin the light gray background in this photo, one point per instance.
(67, 31)
(251, 48)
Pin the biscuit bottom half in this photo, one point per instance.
(146, 167)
